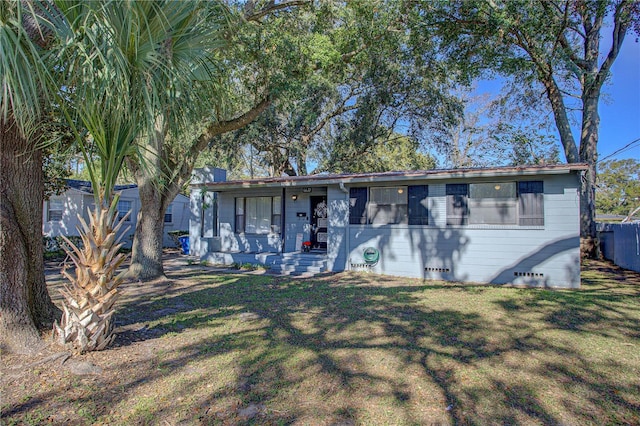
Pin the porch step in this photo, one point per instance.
(285, 264)
(300, 264)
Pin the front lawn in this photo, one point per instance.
(219, 348)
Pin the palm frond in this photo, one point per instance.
(27, 83)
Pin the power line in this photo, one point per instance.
(624, 148)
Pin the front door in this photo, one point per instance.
(319, 222)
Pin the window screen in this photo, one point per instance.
(56, 208)
(124, 206)
(493, 203)
(168, 214)
(457, 208)
(388, 205)
(239, 215)
(276, 215)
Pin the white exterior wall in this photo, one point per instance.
(75, 202)
(78, 202)
(337, 245)
(540, 256)
(533, 255)
(131, 195)
(229, 241)
(296, 224)
(180, 219)
(296, 214)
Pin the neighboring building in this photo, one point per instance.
(60, 212)
(515, 225)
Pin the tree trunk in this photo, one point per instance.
(146, 254)
(589, 155)
(25, 304)
(554, 95)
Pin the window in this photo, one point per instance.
(388, 205)
(531, 203)
(276, 215)
(124, 206)
(258, 215)
(239, 215)
(457, 209)
(168, 214)
(418, 205)
(56, 208)
(496, 203)
(493, 203)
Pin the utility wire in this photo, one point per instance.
(624, 148)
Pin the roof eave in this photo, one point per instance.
(430, 175)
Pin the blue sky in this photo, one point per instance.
(620, 113)
(619, 103)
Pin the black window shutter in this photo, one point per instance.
(531, 202)
(357, 206)
(418, 213)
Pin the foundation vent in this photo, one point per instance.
(528, 274)
(437, 269)
(361, 266)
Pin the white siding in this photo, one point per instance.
(337, 246)
(535, 255)
(74, 203)
(545, 256)
(231, 241)
(77, 202)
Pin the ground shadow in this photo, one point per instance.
(332, 349)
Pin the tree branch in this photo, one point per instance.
(562, 38)
(250, 15)
(214, 130)
(338, 111)
(621, 24)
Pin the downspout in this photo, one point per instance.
(347, 233)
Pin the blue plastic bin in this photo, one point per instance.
(184, 242)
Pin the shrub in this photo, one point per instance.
(55, 244)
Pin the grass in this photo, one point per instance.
(360, 349)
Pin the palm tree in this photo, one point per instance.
(118, 67)
(142, 60)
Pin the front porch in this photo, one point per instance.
(293, 263)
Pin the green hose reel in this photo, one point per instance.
(371, 255)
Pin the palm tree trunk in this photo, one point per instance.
(86, 324)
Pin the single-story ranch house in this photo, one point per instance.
(517, 225)
(60, 212)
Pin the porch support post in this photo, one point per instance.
(283, 220)
(195, 221)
